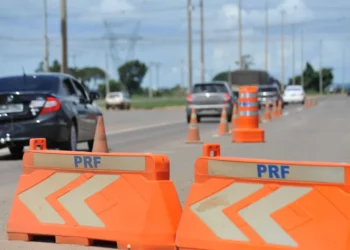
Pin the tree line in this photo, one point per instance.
(131, 74)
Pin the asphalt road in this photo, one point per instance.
(320, 133)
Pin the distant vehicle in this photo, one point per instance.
(294, 94)
(209, 98)
(119, 100)
(53, 106)
(269, 93)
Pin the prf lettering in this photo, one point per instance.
(273, 171)
(87, 161)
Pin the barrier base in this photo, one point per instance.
(248, 135)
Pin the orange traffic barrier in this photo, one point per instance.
(234, 117)
(193, 131)
(247, 129)
(83, 197)
(274, 110)
(223, 126)
(248, 204)
(100, 139)
(267, 114)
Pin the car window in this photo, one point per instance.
(294, 88)
(29, 83)
(68, 87)
(210, 87)
(268, 89)
(113, 95)
(80, 89)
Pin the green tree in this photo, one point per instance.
(311, 78)
(114, 86)
(131, 75)
(222, 76)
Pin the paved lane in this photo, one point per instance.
(145, 131)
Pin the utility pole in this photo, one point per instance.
(107, 73)
(293, 53)
(189, 44)
(202, 40)
(302, 58)
(64, 63)
(157, 66)
(343, 68)
(46, 40)
(182, 72)
(282, 48)
(240, 35)
(266, 36)
(321, 73)
(150, 86)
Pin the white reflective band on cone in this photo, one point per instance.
(248, 104)
(248, 113)
(248, 95)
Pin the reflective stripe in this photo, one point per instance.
(248, 104)
(248, 95)
(193, 125)
(248, 113)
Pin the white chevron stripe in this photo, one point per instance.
(34, 198)
(257, 215)
(209, 210)
(74, 201)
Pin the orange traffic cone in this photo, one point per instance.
(193, 131)
(267, 115)
(274, 110)
(234, 117)
(279, 108)
(307, 104)
(100, 140)
(223, 126)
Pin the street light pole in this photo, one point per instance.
(240, 35)
(282, 49)
(202, 40)
(266, 36)
(302, 59)
(293, 53)
(46, 40)
(189, 44)
(321, 73)
(64, 63)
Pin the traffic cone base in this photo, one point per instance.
(248, 135)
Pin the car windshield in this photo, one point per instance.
(293, 88)
(29, 83)
(268, 89)
(114, 95)
(210, 88)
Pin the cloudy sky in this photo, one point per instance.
(161, 31)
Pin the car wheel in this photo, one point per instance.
(16, 151)
(188, 119)
(107, 107)
(229, 118)
(71, 144)
(198, 119)
(90, 145)
(128, 107)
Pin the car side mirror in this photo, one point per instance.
(94, 95)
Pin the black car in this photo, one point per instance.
(54, 106)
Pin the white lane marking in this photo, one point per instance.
(299, 109)
(143, 127)
(286, 113)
